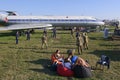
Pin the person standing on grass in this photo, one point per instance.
(106, 33)
(17, 36)
(54, 32)
(77, 33)
(85, 38)
(45, 32)
(44, 41)
(28, 35)
(72, 33)
(79, 43)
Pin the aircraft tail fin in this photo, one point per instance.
(9, 13)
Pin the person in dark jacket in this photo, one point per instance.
(54, 32)
(28, 35)
(17, 36)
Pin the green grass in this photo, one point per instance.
(26, 61)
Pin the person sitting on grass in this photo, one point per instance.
(57, 57)
(67, 63)
(82, 69)
(71, 56)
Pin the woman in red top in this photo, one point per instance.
(56, 57)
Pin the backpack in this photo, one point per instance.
(82, 71)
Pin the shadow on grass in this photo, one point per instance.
(65, 32)
(32, 48)
(113, 54)
(99, 38)
(46, 66)
(3, 43)
(92, 38)
(110, 45)
(70, 43)
(12, 33)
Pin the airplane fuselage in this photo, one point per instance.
(55, 20)
(15, 22)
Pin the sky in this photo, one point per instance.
(101, 9)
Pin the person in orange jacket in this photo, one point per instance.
(57, 57)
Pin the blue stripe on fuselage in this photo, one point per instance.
(50, 20)
(57, 22)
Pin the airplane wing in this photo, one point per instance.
(24, 26)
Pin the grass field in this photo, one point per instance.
(26, 61)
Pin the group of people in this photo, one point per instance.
(44, 38)
(81, 40)
(19, 34)
(77, 66)
(54, 32)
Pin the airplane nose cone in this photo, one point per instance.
(3, 18)
(101, 23)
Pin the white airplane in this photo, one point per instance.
(11, 21)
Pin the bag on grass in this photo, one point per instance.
(82, 71)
